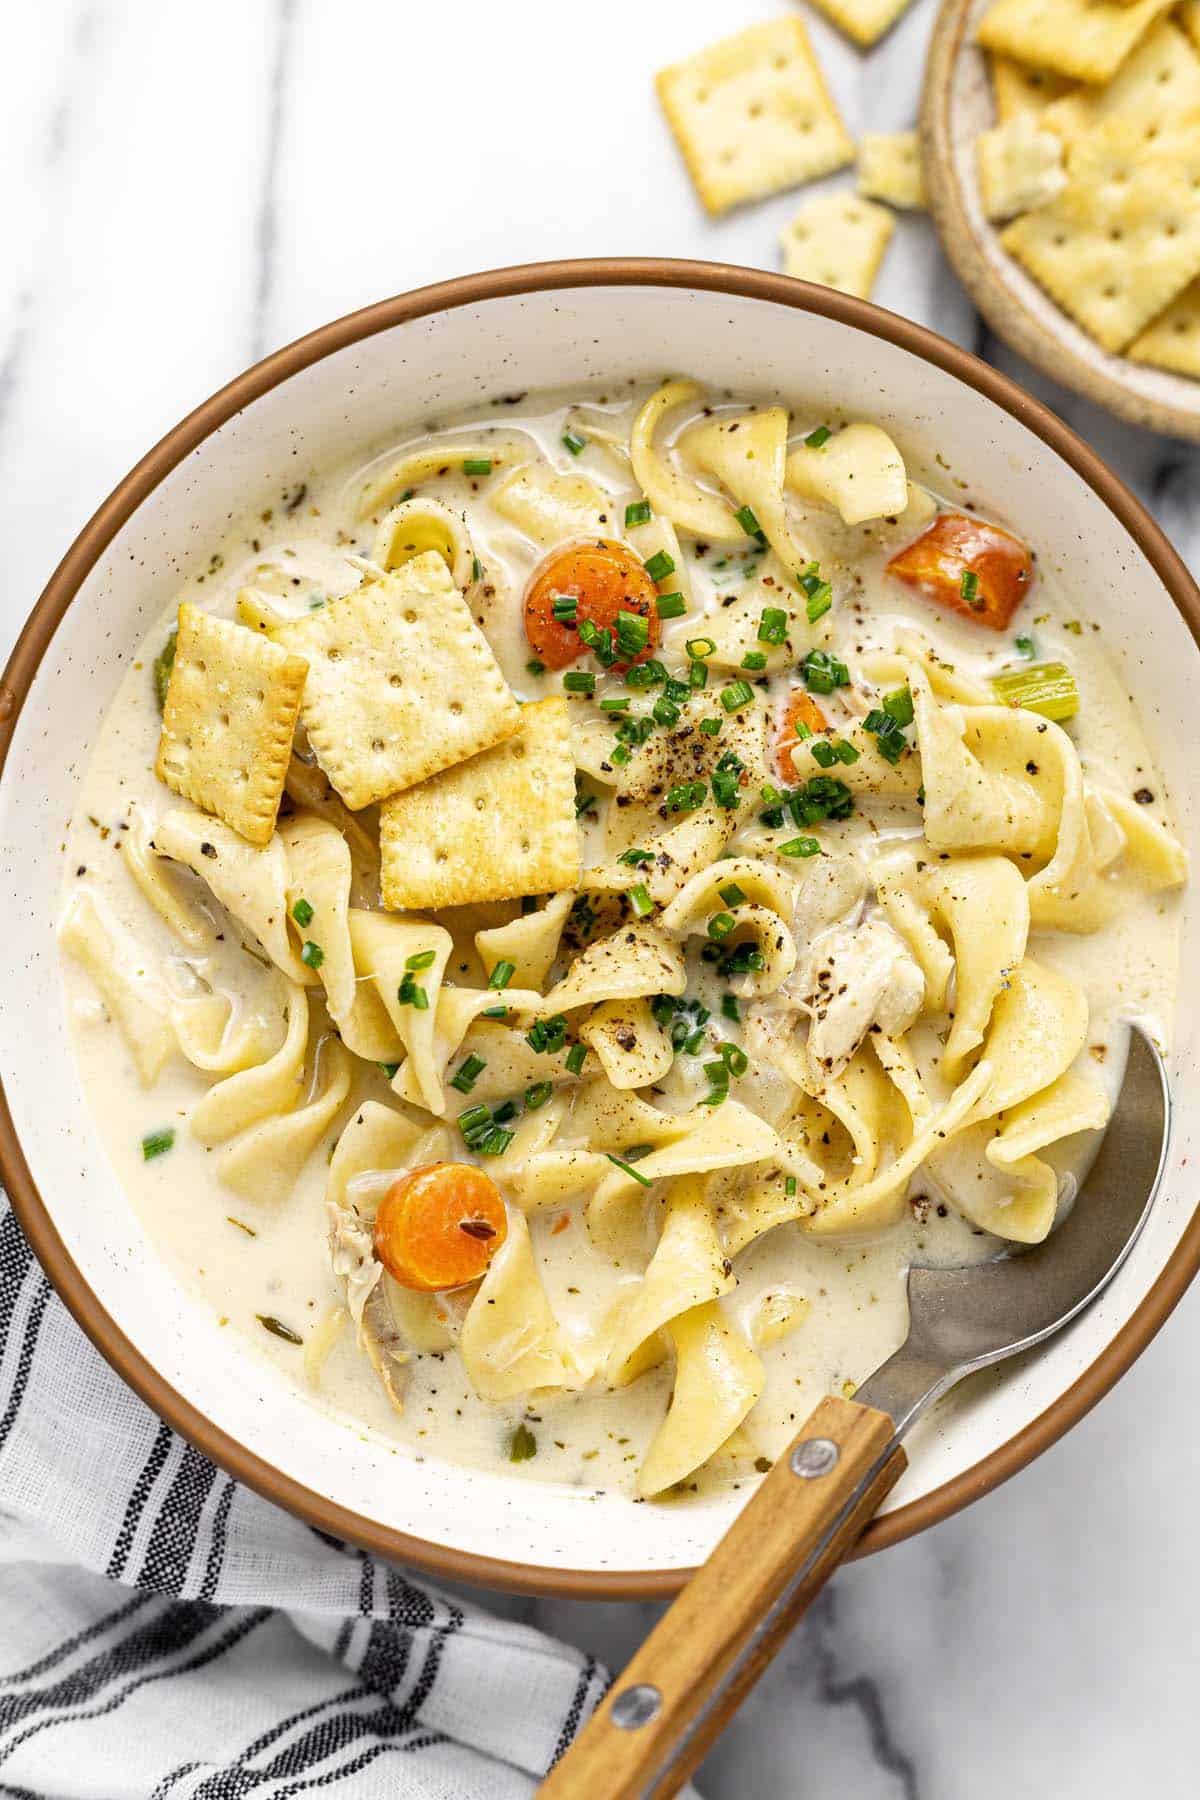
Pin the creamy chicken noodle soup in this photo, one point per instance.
(561, 916)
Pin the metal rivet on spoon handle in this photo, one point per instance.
(708, 1650)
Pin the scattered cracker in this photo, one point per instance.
(1086, 39)
(1123, 237)
(839, 240)
(401, 682)
(1017, 89)
(227, 725)
(496, 828)
(863, 20)
(752, 115)
(1020, 167)
(1157, 85)
(889, 168)
(1173, 340)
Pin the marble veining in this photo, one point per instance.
(184, 189)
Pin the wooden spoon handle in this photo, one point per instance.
(688, 1679)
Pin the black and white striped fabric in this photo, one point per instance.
(165, 1633)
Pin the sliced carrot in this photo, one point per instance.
(440, 1226)
(971, 567)
(802, 709)
(604, 578)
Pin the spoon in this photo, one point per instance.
(668, 1707)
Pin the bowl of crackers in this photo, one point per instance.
(1061, 154)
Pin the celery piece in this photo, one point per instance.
(1046, 688)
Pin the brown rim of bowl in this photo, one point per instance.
(468, 290)
(1000, 302)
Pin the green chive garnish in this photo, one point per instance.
(312, 954)
(732, 894)
(659, 566)
(799, 846)
(665, 712)
(823, 672)
(424, 959)
(534, 667)
(634, 858)
(614, 703)
(501, 975)
(638, 513)
(468, 1072)
(755, 660)
(670, 606)
(476, 569)
(735, 695)
(522, 1445)
(573, 442)
(1025, 647)
(729, 1008)
(899, 706)
(711, 727)
(720, 926)
(697, 648)
(302, 912)
(639, 899)
(628, 1169)
(817, 438)
(749, 524)
(576, 1057)
(789, 1185)
(477, 465)
(565, 608)
(537, 1095)
(772, 626)
(968, 587)
(157, 1143)
(579, 682)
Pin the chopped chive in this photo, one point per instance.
(645, 674)
(495, 1143)
(693, 1042)
(789, 1185)
(772, 626)
(823, 672)
(633, 632)
(749, 524)
(302, 912)
(579, 681)
(534, 667)
(614, 703)
(628, 1169)
(735, 695)
(726, 780)
(501, 975)
(698, 648)
(476, 569)
(547, 1035)
(720, 926)
(732, 894)
(736, 1060)
(717, 1072)
(638, 513)
(817, 438)
(312, 954)
(686, 797)
(665, 712)
(475, 1120)
(663, 1008)
(477, 465)
(659, 566)
(1025, 647)
(389, 1070)
(819, 602)
(157, 1143)
(898, 705)
(576, 1056)
(845, 751)
(675, 690)
(639, 899)
(889, 738)
(670, 606)
(565, 608)
(424, 959)
(799, 846)
(411, 993)
(494, 1012)
(573, 442)
(968, 587)
(697, 675)
(537, 1095)
(634, 858)
(729, 1008)
(754, 660)
(711, 727)
(717, 1098)
(468, 1073)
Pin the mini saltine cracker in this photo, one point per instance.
(1086, 39)
(863, 20)
(1156, 85)
(889, 168)
(752, 115)
(1123, 237)
(1020, 167)
(496, 828)
(401, 682)
(1172, 341)
(228, 720)
(839, 240)
(1017, 89)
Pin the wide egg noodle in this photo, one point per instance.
(688, 1268)
(510, 1340)
(265, 1162)
(718, 1379)
(670, 492)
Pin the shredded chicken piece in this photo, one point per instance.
(852, 980)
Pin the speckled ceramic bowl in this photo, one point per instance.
(573, 324)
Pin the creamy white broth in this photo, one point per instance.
(252, 1261)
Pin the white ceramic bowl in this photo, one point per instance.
(579, 325)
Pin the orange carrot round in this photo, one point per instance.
(802, 709)
(971, 567)
(440, 1226)
(604, 578)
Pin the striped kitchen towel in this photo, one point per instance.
(165, 1633)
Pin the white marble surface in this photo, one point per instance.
(183, 188)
